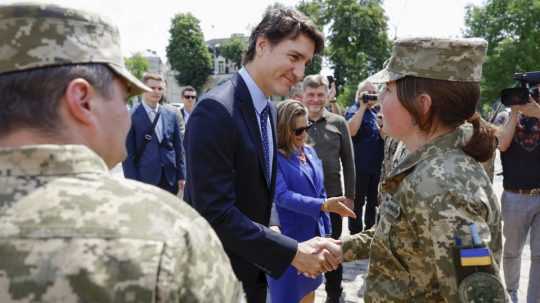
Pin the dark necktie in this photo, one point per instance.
(265, 142)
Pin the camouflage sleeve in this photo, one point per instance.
(357, 246)
(449, 216)
(196, 269)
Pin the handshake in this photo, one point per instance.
(317, 256)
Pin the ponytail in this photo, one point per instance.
(483, 142)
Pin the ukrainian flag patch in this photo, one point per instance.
(475, 256)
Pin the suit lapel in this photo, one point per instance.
(250, 118)
(306, 172)
(273, 122)
(142, 117)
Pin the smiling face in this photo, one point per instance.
(315, 98)
(276, 68)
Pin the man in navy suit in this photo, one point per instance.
(189, 98)
(159, 160)
(231, 155)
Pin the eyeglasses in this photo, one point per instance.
(299, 131)
(190, 97)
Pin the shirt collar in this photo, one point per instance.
(260, 101)
(147, 107)
(49, 160)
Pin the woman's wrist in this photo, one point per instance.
(324, 207)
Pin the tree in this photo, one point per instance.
(359, 44)
(233, 49)
(512, 29)
(315, 11)
(137, 65)
(187, 51)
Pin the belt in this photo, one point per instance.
(530, 192)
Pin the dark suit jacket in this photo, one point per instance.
(226, 182)
(165, 157)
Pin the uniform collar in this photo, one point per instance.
(439, 146)
(49, 160)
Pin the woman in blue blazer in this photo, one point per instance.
(300, 199)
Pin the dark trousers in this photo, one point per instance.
(256, 290)
(333, 278)
(164, 184)
(366, 194)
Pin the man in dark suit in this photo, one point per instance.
(189, 98)
(159, 160)
(231, 155)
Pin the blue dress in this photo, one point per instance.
(299, 197)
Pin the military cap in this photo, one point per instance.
(43, 35)
(435, 58)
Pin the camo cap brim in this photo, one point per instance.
(42, 35)
(435, 58)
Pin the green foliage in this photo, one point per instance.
(512, 29)
(137, 65)
(233, 49)
(359, 44)
(314, 10)
(187, 51)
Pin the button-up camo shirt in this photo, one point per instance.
(435, 193)
(70, 232)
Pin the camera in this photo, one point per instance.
(369, 97)
(520, 95)
(330, 80)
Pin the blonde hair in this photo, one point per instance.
(288, 111)
(152, 76)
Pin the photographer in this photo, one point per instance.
(368, 154)
(519, 143)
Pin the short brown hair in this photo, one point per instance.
(152, 76)
(452, 103)
(315, 81)
(31, 98)
(288, 111)
(188, 88)
(283, 23)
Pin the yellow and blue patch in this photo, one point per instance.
(475, 256)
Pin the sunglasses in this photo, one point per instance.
(301, 130)
(190, 97)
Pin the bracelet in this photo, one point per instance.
(325, 206)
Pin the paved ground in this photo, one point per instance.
(353, 273)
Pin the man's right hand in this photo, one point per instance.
(317, 256)
(530, 109)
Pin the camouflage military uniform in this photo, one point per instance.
(72, 233)
(436, 192)
(394, 152)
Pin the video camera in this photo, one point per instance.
(520, 95)
(369, 97)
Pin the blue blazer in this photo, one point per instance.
(226, 182)
(165, 157)
(299, 197)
